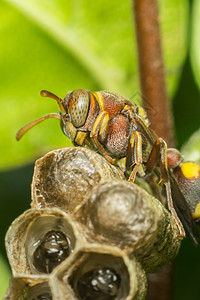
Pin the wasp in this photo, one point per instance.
(120, 131)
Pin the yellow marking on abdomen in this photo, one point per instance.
(190, 170)
(196, 214)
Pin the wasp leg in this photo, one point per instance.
(159, 155)
(81, 138)
(134, 154)
(173, 211)
(99, 129)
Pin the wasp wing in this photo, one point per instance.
(183, 210)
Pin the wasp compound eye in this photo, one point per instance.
(99, 284)
(79, 107)
(52, 250)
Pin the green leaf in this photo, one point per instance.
(4, 277)
(61, 45)
(195, 41)
(174, 25)
(191, 149)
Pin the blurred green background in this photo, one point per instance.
(61, 45)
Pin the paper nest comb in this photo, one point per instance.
(89, 233)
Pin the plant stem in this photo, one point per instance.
(160, 283)
(155, 98)
(151, 67)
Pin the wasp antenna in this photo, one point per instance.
(60, 102)
(48, 94)
(31, 124)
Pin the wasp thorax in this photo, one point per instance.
(78, 105)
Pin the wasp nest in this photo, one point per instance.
(38, 240)
(124, 215)
(97, 271)
(29, 287)
(90, 234)
(64, 177)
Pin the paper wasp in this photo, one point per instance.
(119, 130)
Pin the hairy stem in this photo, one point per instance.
(155, 98)
(151, 67)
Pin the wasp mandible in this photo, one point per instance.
(119, 130)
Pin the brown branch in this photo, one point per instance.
(153, 86)
(160, 283)
(151, 67)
